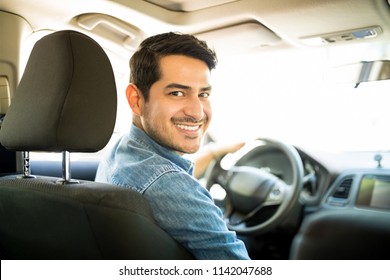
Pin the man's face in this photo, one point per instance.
(178, 111)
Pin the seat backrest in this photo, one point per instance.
(66, 102)
(343, 234)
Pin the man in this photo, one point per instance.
(169, 95)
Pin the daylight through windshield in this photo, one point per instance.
(292, 96)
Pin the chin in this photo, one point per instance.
(191, 150)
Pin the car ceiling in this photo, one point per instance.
(264, 25)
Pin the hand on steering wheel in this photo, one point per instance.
(256, 200)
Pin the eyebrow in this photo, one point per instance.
(174, 85)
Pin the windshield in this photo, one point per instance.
(292, 97)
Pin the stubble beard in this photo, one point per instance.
(159, 134)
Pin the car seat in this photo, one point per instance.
(343, 234)
(66, 102)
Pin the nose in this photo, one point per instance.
(194, 108)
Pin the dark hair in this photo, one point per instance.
(145, 62)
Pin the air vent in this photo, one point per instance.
(340, 195)
(342, 191)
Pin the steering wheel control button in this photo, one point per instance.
(275, 194)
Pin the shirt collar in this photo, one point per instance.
(145, 140)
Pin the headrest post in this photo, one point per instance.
(66, 166)
(26, 166)
(66, 173)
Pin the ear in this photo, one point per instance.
(135, 99)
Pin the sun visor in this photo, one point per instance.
(241, 37)
(188, 5)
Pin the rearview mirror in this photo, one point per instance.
(364, 71)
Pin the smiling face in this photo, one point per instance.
(178, 111)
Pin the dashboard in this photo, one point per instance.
(331, 180)
(363, 189)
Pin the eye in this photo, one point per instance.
(176, 93)
(204, 95)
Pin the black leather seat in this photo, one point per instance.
(66, 102)
(344, 234)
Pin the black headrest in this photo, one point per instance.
(66, 99)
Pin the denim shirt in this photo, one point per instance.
(180, 204)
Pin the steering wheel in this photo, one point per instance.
(256, 200)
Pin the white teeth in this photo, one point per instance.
(187, 127)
